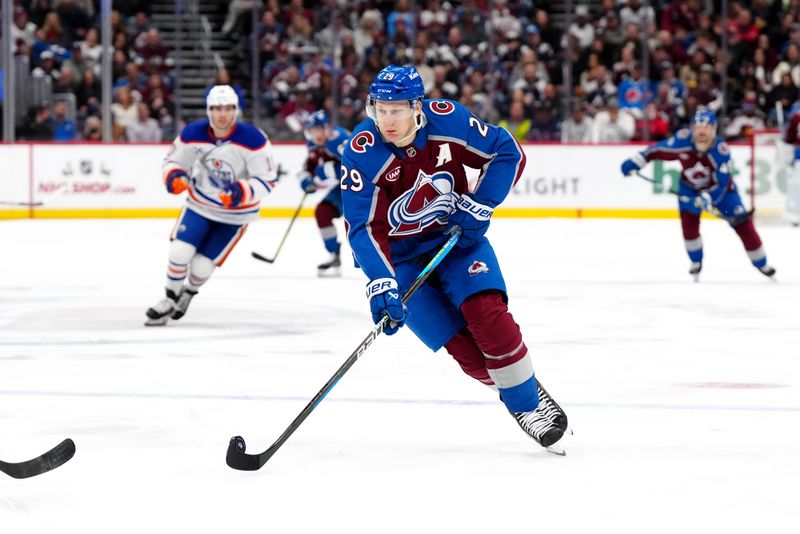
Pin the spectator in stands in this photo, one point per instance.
(612, 125)
(93, 129)
(746, 120)
(144, 129)
(47, 67)
(66, 82)
(91, 48)
(294, 112)
(635, 91)
(789, 64)
(22, 29)
(64, 128)
(123, 111)
(88, 94)
(578, 127)
(223, 77)
(581, 28)
(154, 55)
(134, 79)
(269, 34)
(76, 61)
(38, 125)
(517, 123)
(545, 125)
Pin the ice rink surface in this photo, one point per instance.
(684, 397)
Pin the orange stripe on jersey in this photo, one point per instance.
(174, 233)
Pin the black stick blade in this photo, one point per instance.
(57, 456)
(258, 256)
(237, 459)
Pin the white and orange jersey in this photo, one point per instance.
(214, 164)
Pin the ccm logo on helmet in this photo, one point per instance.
(360, 142)
(442, 107)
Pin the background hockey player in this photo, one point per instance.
(705, 183)
(325, 148)
(226, 168)
(792, 137)
(404, 188)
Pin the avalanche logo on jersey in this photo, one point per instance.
(698, 175)
(431, 200)
(220, 173)
(477, 267)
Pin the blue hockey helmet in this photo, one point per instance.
(395, 84)
(318, 118)
(704, 116)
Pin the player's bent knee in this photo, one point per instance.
(181, 252)
(202, 267)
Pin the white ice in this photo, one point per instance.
(684, 397)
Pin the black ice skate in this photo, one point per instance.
(182, 305)
(694, 270)
(158, 315)
(332, 267)
(767, 270)
(547, 424)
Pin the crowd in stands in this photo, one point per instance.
(509, 64)
(61, 40)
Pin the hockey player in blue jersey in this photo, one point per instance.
(404, 188)
(705, 183)
(226, 168)
(325, 148)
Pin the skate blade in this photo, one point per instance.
(157, 322)
(696, 278)
(557, 448)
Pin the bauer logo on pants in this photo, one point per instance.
(477, 267)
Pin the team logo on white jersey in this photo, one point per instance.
(431, 200)
(477, 267)
(220, 173)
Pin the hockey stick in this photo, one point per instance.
(258, 256)
(706, 207)
(238, 459)
(23, 204)
(58, 455)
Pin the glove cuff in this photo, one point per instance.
(479, 211)
(380, 285)
(639, 160)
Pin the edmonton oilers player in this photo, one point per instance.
(226, 168)
(705, 183)
(404, 188)
(325, 148)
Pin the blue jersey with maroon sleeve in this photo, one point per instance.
(708, 171)
(397, 200)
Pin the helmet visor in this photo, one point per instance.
(382, 111)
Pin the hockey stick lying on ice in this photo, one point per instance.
(734, 221)
(58, 455)
(22, 204)
(236, 457)
(258, 256)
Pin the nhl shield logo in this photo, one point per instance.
(477, 267)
